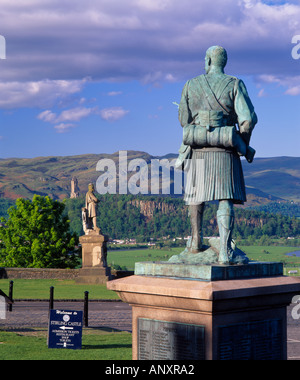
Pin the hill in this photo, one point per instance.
(279, 176)
(267, 179)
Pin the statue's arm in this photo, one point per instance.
(184, 113)
(246, 116)
(94, 198)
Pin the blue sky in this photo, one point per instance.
(101, 75)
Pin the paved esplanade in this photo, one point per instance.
(114, 315)
(27, 314)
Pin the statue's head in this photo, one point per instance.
(91, 187)
(216, 56)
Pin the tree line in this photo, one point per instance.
(44, 233)
(120, 219)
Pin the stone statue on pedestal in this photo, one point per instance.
(94, 244)
(89, 212)
(218, 118)
(200, 305)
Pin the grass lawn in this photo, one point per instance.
(96, 345)
(129, 257)
(256, 253)
(271, 253)
(63, 289)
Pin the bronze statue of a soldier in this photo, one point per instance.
(218, 118)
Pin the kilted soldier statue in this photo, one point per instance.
(218, 118)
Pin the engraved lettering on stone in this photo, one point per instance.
(160, 340)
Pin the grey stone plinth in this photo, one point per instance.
(94, 250)
(94, 259)
(209, 272)
(94, 275)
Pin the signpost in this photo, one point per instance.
(65, 329)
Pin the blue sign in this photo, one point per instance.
(65, 329)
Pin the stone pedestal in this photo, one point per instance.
(94, 275)
(191, 319)
(94, 259)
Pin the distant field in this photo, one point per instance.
(257, 253)
(67, 289)
(271, 253)
(129, 257)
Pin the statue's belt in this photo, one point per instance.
(209, 119)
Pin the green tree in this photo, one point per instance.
(36, 235)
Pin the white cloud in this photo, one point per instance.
(291, 83)
(261, 93)
(113, 113)
(293, 91)
(269, 79)
(63, 128)
(114, 93)
(148, 40)
(72, 114)
(41, 94)
(77, 114)
(48, 116)
(153, 5)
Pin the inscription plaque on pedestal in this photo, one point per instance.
(260, 340)
(161, 340)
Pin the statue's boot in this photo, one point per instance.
(225, 220)
(196, 218)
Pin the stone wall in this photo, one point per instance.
(54, 274)
(39, 273)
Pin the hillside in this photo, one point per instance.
(146, 217)
(279, 176)
(267, 179)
